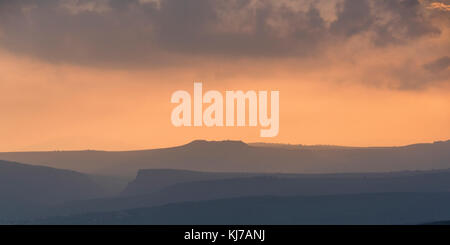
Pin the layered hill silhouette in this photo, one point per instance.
(159, 187)
(376, 208)
(152, 180)
(229, 182)
(236, 156)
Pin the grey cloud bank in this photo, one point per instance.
(134, 31)
(158, 33)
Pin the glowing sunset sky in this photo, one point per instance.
(99, 74)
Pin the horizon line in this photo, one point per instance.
(269, 144)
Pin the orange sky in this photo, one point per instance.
(354, 93)
(60, 107)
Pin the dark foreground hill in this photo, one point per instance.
(236, 156)
(377, 208)
(25, 188)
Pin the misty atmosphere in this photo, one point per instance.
(192, 111)
(229, 182)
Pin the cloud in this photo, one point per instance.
(438, 65)
(88, 31)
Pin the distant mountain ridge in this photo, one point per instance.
(327, 147)
(237, 156)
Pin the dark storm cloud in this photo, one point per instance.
(133, 32)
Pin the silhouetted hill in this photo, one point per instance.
(236, 156)
(151, 180)
(24, 189)
(150, 189)
(377, 208)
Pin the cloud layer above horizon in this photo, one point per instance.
(153, 34)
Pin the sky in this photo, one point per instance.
(99, 74)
